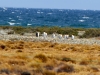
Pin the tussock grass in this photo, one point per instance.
(64, 68)
(49, 73)
(42, 57)
(47, 58)
(68, 60)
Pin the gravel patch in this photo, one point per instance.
(16, 37)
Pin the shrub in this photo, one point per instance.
(91, 33)
(16, 62)
(84, 63)
(5, 27)
(64, 68)
(25, 73)
(49, 73)
(5, 71)
(59, 30)
(67, 59)
(2, 46)
(94, 69)
(11, 32)
(19, 51)
(42, 57)
(19, 29)
(48, 67)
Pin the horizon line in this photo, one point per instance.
(51, 8)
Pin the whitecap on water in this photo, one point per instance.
(4, 8)
(29, 24)
(11, 23)
(12, 20)
(18, 23)
(38, 12)
(81, 20)
(41, 12)
(85, 17)
(18, 17)
(49, 13)
(12, 12)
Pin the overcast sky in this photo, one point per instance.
(59, 4)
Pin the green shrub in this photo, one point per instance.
(91, 33)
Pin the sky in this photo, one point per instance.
(54, 4)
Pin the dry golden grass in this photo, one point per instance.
(45, 58)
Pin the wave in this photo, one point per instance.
(29, 24)
(38, 12)
(4, 8)
(42, 12)
(85, 17)
(12, 20)
(12, 12)
(10, 23)
(81, 20)
(18, 23)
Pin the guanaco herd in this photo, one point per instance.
(54, 35)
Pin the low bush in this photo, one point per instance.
(42, 57)
(25, 73)
(49, 67)
(5, 71)
(67, 59)
(64, 68)
(49, 73)
(84, 63)
(91, 33)
(94, 69)
(2, 46)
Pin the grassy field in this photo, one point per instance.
(45, 58)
